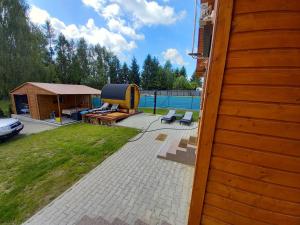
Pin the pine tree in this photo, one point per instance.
(146, 74)
(50, 35)
(182, 71)
(169, 75)
(124, 74)
(63, 60)
(22, 47)
(134, 76)
(82, 60)
(114, 70)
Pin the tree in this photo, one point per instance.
(124, 74)
(146, 74)
(195, 79)
(82, 59)
(22, 47)
(182, 71)
(169, 75)
(176, 72)
(181, 83)
(134, 75)
(115, 70)
(63, 60)
(50, 35)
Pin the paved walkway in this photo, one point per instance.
(131, 184)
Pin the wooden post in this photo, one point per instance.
(154, 109)
(211, 99)
(59, 109)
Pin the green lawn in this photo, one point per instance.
(4, 105)
(165, 111)
(37, 168)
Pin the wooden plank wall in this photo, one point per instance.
(31, 92)
(48, 103)
(254, 173)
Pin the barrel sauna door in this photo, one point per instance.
(132, 97)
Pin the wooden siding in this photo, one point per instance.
(48, 104)
(254, 160)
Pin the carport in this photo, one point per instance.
(44, 99)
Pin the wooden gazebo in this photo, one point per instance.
(44, 98)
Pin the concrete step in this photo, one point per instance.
(140, 222)
(118, 221)
(182, 150)
(193, 140)
(101, 221)
(85, 220)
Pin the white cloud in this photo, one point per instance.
(111, 10)
(96, 4)
(118, 25)
(142, 12)
(174, 56)
(38, 16)
(150, 12)
(92, 33)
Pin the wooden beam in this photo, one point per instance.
(59, 109)
(207, 124)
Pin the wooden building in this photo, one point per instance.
(248, 159)
(43, 98)
(127, 96)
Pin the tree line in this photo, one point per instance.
(32, 53)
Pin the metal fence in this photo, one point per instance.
(172, 92)
(176, 99)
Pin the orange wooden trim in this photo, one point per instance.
(221, 33)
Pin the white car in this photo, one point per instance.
(10, 127)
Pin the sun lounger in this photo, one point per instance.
(114, 107)
(187, 119)
(170, 117)
(103, 107)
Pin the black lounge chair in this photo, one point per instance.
(170, 117)
(187, 119)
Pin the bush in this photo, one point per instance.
(1, 113)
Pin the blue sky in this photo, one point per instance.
(129, 28)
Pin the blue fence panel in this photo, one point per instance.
(176, 102)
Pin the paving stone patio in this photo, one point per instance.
(132, 184)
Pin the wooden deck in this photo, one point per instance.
(105, 118)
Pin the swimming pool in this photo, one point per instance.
(176, 102)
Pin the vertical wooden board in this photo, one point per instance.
(13, 103)
(213, 89)
(33, 106)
